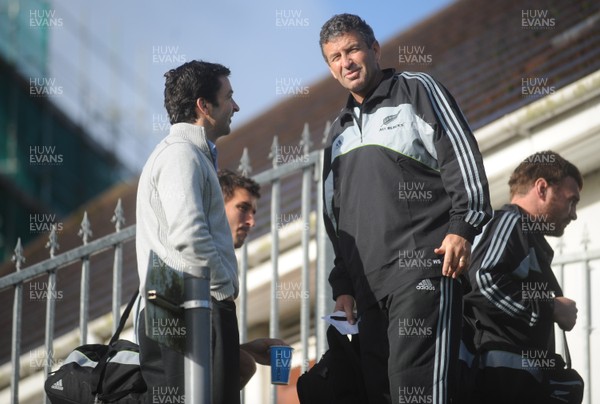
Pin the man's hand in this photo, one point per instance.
(457, 255)
(565, 313)
(259, 349)
(345, 303)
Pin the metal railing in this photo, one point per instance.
(583, 258)
(305, 162)
(297, 160)
(50, 267)
(308, 164)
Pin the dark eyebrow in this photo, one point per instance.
(246, 205)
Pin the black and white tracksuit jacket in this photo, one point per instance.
(511, 305)
(403, 170)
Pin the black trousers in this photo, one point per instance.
(162, 367)
(410, 342)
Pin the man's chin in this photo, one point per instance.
(556, 233)
(239, 241)
(355, 86)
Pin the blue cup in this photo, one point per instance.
(281, 363)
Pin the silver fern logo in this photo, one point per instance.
(390, 118)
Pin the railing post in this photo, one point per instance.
(198, 358)
(275, 219)
(50, 307)
(587, 301)
(324, 260)
(118, 219)
(243, 300)
(18, 259)
(85, 232)
(245, 169)
(305, 297)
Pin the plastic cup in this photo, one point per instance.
(281, 363)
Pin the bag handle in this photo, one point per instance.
(124, 317)
(98, 372)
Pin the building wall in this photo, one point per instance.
(578, 287)
(48, 165)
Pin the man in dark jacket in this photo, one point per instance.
(516, 299)
(405, 194)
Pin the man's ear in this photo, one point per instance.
(377, 49)
(202, 106)
(541, 188)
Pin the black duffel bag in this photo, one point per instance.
(563, 384)
(97, 373)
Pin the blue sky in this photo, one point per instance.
(110, 55)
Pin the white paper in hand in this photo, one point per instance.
(343, 326)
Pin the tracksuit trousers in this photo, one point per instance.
(410, 341)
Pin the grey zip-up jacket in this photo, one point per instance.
(402, 171)
(180, 211)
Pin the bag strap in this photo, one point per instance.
(124, 317)
(98, 372)
(567, 352)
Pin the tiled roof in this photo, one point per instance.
(480, 50)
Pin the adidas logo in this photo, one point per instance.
(425, 284)
(57, 386)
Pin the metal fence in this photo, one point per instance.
(583, 269)
(308, 165)
(305, 162)
(50, 267)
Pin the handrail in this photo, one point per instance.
(61, 260)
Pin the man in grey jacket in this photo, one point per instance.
(181, 220)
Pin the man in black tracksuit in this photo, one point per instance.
(405, 194)
(516, 298)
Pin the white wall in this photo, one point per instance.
(588, 222)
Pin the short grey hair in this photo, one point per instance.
(341, 24)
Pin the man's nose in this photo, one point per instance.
(347, 61)
(250, 220)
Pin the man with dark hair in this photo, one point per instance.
(547, 165)
(241, 194)
(185, 84)
(405, 194)
(516, 298)
(181, 220)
